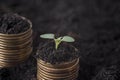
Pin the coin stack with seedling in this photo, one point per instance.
(67, 70)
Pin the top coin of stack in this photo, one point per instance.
(15, 39)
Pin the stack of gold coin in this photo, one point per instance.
(65, 71)
(15, 48)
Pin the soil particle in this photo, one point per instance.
(12, 24)
(65, 53)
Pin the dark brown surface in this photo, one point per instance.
(95, 22)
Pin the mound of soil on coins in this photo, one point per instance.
(64, 53)
(13, 24)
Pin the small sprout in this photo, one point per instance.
(57, 40)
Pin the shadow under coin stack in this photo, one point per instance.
(65, 71)
(15, 48)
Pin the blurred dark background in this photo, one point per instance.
(94, 23)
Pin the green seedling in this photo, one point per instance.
(57, 40)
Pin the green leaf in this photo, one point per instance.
(68, 39)
(48, 36)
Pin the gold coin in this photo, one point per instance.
(62, 70)
(52, 73)
(19, 39)
(16, 58)
(63, 65)
(46, 77)
(58, 75)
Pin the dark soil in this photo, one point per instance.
(64, 53)
(13, 24)
(108, 73)
(94, 23)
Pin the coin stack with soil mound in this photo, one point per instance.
(15, 39)
(61, 64)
